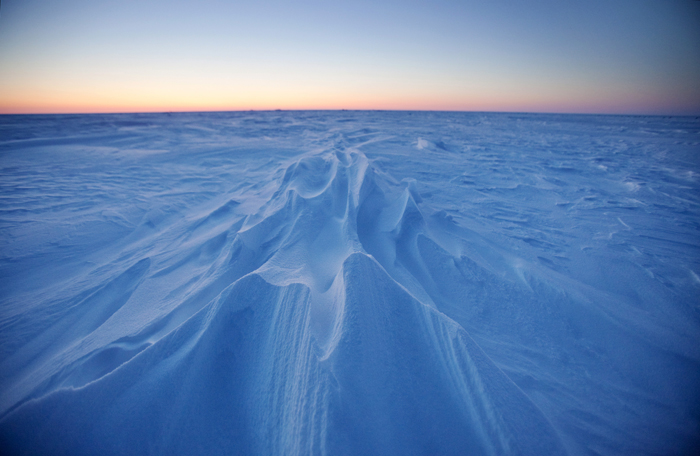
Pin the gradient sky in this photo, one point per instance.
(613, 56)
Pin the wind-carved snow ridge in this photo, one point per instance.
(369, 295)
(357, 322)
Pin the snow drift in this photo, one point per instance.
(263, 283)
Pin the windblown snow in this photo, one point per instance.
(349, 283)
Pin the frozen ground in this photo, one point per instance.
(335, 283)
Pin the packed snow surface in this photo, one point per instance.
(349, 283)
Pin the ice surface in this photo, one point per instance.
(349, 283)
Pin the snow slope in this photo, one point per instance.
(349, 283)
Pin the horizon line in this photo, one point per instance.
(211, 111)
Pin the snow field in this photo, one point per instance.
(349, 283)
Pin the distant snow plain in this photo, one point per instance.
(349, 283)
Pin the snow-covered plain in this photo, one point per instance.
(283, 283)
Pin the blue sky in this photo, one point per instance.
(639, 56)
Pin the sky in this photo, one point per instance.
(612, 56)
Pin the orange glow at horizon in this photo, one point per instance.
(134, 103)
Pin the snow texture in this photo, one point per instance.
(349, 283)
